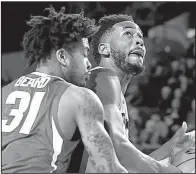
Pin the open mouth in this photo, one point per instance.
(139, 53)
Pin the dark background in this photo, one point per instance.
(14, 15)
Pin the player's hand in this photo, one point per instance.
(189, 143)
(179, 138)
(167, 167)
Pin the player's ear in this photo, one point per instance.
(104, 49)
(63, 57)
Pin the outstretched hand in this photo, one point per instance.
(180, 137)
(182, 140)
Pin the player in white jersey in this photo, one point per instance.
(44, 115)
(119, 51)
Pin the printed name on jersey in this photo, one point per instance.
(40, 82)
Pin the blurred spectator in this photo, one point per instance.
(191, 117)
(133, 95)
(183, 82)
(175, 66)
(190, 62)
(154, 134)
(165, 101)
(174, 110)
(160, 130)
(177, 93)
(168, 120)
(147, 132)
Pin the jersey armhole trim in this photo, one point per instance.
(58, 128)
(55, 118)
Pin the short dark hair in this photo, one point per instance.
(53, 32)
(105, 24)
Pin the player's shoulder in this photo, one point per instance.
(79, 94)
(76, 97)
(105, 83)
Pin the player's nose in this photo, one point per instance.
(139, 42)
(89, 66)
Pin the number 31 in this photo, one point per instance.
(19, 113)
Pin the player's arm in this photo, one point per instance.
(180, 138)
(129, 156)
(89, 119)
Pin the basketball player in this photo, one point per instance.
(43, 114)
(119, 50)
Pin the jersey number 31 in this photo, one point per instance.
(25, 101)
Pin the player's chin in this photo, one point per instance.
(80, 82)
(135, 68)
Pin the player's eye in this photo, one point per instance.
(128, 33)
(140, 36)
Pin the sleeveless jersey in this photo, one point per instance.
(31, 138)
(124, 113)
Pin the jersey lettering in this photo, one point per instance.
(40, 82)
(19, 113)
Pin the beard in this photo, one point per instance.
(126, 66)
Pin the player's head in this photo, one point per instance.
(62, 40)
(121, 40)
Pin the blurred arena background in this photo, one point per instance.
(159, 99)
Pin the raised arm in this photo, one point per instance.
(129, 156)
(95, 138)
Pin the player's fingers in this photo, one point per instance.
(167, 160)
(183, 139)
(183, 129)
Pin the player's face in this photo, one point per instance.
(127, 47)
(80, 65)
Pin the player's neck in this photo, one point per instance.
(47, 69)
(123, 78)
(124, 81)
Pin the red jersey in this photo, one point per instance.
(31, 138)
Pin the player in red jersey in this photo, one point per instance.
(44, 115)
(119, 50)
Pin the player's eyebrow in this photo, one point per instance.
(132, 27)
(125, 27)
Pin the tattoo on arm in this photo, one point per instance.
(97, 142)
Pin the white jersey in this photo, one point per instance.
(124, 113)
